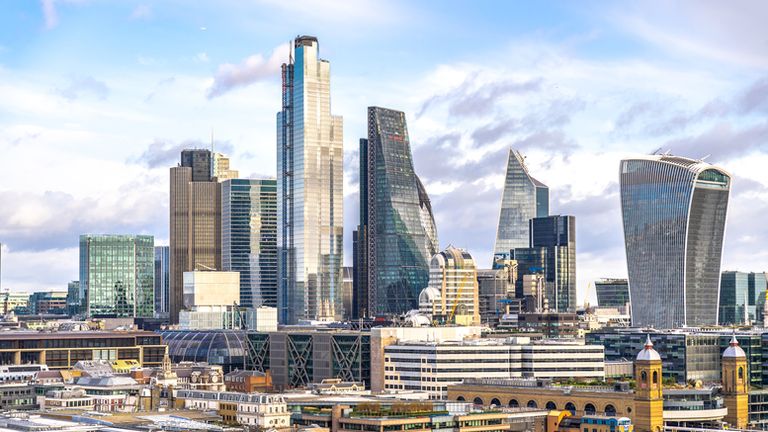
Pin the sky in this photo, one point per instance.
(97, 98)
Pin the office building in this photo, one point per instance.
(451, 362)
(249, 238)
(117, 275)
(211, 288)
(523, 199)
(496, 287)
(74, 302)
(195, 219)
(16, 302)
(674, 212)
(551, 252)
(452, 294)
(162, 281)
(347, 287)
(742, 295)
(309, 190)
(61, 350)
(612, 292)
(48, 303)
(395, 218)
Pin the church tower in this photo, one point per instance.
(735, 385)
(649, 403)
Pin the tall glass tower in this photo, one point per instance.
(117, 275)
(309, 190)
(249, 238)
(395, 217)
(162, 280)
(674, 212)
(523, 199)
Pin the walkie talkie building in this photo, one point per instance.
(674, 212)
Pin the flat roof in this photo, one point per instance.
(26, 335)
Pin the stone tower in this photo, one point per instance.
(649, 403)
(735, 385)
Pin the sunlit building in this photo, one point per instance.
(674, 212)
(117, 275)
(523, 199)
(396, 219)
(309, 190)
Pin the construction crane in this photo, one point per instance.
(459, 291)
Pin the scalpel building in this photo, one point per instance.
(674, 211)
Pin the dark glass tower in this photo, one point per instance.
(523, 199)
(612, 292)
(552, 252)
(249, 238)
(674, 211)
(740, 297)
(396, 237)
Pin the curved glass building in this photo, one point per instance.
(219, 347)
(396, 221)
(674, 211)
(523, 199)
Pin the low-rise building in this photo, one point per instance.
(433, 366)
(248, 381)
(72, 398)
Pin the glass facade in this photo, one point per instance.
(309, 190)
(552, 252)
(612, 292)
(249, 238)
(162, 280)
(397, 217)
(117, 275)
(217, 347)
(674, 212)
(741, 294)
(523, 199)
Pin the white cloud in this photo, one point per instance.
(50, 15)
(142, 12)
(202, 57)
(254, 68)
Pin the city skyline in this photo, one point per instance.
(693, 95)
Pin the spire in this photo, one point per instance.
(734, 342)
(648, 343)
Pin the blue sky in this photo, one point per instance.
(97, 97)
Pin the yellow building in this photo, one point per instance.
(735, 384)
(649, 402)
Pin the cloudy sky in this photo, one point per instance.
(98, 97)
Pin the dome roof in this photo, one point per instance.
(734, 350)
(429, 295)
(648, 353)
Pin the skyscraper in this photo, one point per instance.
(552, 252)
(674, 211)
(309, 190)
(395, 217)
(523, 199)
(740, 297)
(117, 275)
(453, 289)
(195, 218)
(249, 238)
(162, 280)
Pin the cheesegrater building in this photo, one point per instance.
(396, 220)
(674, 212)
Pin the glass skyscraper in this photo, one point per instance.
(162, 280)
(612, 292)
(741, 295)
(309, 190)
(396, 219)
(249, 238)
(117, 275)
(674, 212)
(551, 252)
(523, 199)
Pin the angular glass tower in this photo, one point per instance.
(309, 190)
(162, 280)
(249, 238)
(117, 275)
(399, 234)
(674, 211)
(523, 199)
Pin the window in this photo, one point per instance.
(655, 377)
(551, 405)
